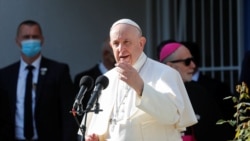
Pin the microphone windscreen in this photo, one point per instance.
(103, 80)
(87, 81)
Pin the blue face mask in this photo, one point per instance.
(31, 47)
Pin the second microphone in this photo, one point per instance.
(100, 84)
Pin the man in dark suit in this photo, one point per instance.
(107, 62)
(52, 93)
(178, 56)
(245, 69)
(217, 89)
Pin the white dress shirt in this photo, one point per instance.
(102, 68)
(19, 118)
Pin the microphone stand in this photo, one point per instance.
(83, 127)
(80, 111)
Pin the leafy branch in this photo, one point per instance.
(241, 118)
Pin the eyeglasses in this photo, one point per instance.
(186, 61)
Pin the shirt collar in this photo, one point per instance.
(195, 76)
(102, 68)
(36, 63)
(140, 62)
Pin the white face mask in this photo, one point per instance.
(31, 47)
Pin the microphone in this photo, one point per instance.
(86, 84)
(100, 84)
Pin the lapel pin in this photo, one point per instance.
(43, 71)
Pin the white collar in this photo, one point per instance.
(140, 62)
(102, 68)
(36, 63)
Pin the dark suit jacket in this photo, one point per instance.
(245, 69)
(93, 72)
(54, 100)
(208, 114)
(219, 91)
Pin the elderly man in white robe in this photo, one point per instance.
(145, 100)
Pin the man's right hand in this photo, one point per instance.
(92, 137)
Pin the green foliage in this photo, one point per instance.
(241, 118)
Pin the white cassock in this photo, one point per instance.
(163, 111)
